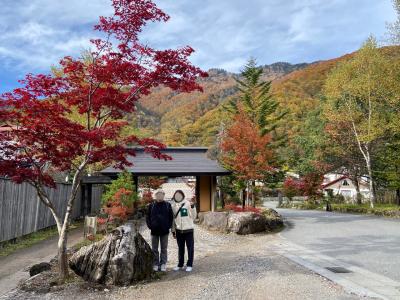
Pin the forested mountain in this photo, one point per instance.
(177, 119)
(195, 119)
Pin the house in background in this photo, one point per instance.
(338, 184)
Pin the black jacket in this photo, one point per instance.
(159, 217)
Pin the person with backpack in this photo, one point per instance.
(183, 229)
(159, 219)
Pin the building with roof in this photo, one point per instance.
(186, 162)
(339, 184)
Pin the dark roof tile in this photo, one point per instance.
(185, 162)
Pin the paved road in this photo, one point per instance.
(365, 241)
(13, 267)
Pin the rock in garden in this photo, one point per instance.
(39, 268)
(246, 222)
(215, 221)
(121, 258)
(273, 219)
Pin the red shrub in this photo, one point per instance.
(101, 221)
(147, 197)
(119, 208)
(311, 185)
(292, 187)
(237, 208)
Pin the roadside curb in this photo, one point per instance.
(358, 281)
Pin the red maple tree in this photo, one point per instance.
(292, 187)
(98, 89)
(245, 151)
(311, 184)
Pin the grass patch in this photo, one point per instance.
(386, 210)
(9, 247)
(302, 205)
(87, 242)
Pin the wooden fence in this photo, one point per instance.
(21, 211)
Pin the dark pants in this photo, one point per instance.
(159, 259)
(182, 239)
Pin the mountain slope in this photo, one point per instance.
(169, 116)
(195, 119)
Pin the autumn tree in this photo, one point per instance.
(246, 153)
(101, 87)
(359, 94)
(256, 102)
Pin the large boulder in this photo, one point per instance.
(39, 268)
(274, 220)
(241, 222)
(246, 222)
(121, 258)
(215, 220)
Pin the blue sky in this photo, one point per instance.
(35, 34)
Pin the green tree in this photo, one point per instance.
(256, 101)
(124, 181)
(359, 94)
(387, 165)
(258, 104)
(310, 145)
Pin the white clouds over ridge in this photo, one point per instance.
(227, 32)
(35, 34)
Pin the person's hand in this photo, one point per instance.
(174, 235)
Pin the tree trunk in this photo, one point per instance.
(398, 196)
(243, 198)
(222, 197)
(371, 185)
(358, 196)
(247, 193)
(279, 198)
(62, 245)
(63, 233)
(62, 255)
(253, 196)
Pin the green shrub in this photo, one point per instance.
(124, 181)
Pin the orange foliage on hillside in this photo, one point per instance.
(195, 119)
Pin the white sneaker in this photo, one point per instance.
(155, 268)
(189, 269)
(177, 268)
(163, 268)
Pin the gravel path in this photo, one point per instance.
(225, 267)
(205, 243)
(236, 267)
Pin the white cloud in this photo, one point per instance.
(35, 34)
